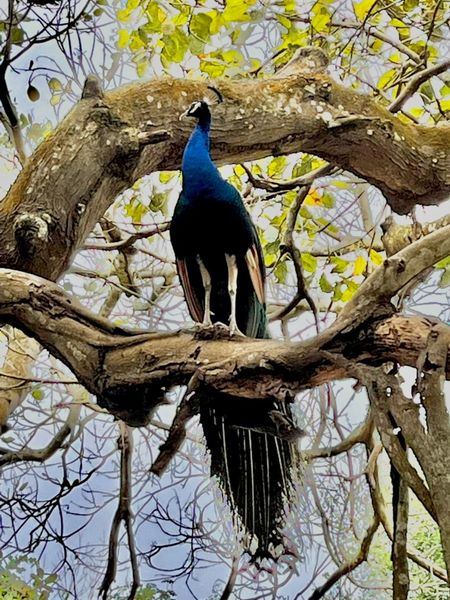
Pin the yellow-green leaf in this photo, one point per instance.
(324, 284)
(363, 8)
(55, 85)
(123, 15)
(124, 36)
(350, 291)
(200, 24)
(320, 20)
(360, 266)
(376, 257)
(309, 262)
(386, 78)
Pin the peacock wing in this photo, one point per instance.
(190, 277)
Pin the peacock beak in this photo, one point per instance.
(184, 115)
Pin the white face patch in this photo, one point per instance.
(194, 107)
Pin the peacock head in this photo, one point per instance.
(201, 108)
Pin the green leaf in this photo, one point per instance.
(281, 271)
(320, 18)
(443, 264)
(37, 394)
(135, 209)
(212, 68)
(445, 278)
(272, 247)
(237, 10)
(17, 35)
(386, 78)
(166, 176)
(340, 265)
(155, 18)
(327, 200)
(309, 262)
(158, 203)
(175, 46)
(350, 291)
(376, 257)
(276, 166)
(200, 26)
(359, 266)
(324, 284)
(142, 66)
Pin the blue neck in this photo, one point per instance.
(199, 171)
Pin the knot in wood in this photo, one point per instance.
(92, 88)
(31, 231)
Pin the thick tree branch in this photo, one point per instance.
(116, 364)
(107, 142)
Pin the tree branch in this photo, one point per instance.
(415, 82)
(128, 369)
(351, 565)
(107, 142)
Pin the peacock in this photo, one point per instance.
(221, 268)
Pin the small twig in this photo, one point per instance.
(54, 445)
(177, 433)
(415, 82)
(360, 435)
(289, 247)
(228, 589)
(123, 513)
(351, 565)
(274, 185)
(123, 244)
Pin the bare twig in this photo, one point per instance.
(228, 589)
(54, 445)
(351, 565)
(415, 82)
(275, 185)
(128, 242)
(123, 513)
(360, 435)
(177, 433)
(290, 248)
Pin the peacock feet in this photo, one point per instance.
(234, 330)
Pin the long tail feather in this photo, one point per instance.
(255, 469)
